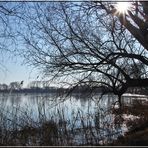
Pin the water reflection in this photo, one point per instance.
(49, 104)
(78, 112)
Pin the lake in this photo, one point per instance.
(77, 112)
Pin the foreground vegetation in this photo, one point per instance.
(18, 128)
(138, 129)
(49, 132)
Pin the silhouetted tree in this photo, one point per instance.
(83, 43)
(86, 43)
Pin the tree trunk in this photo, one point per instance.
(138, 83)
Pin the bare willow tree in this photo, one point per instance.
(136, 20)
(83, 43)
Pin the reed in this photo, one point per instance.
(52, 127)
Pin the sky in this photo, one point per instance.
(12, 69)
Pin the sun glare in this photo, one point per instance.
(123, 7)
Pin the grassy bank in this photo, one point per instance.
(138, 129)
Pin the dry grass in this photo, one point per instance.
(137, 138)
(138, 129)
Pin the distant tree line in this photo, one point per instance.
(34, 86)
(11, 86)
(43, 87)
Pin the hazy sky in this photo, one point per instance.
(13, 70)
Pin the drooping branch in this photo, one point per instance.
(69, 42)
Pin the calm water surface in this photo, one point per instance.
(36, 106)
(77, 110)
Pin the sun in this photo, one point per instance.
(123, 7)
